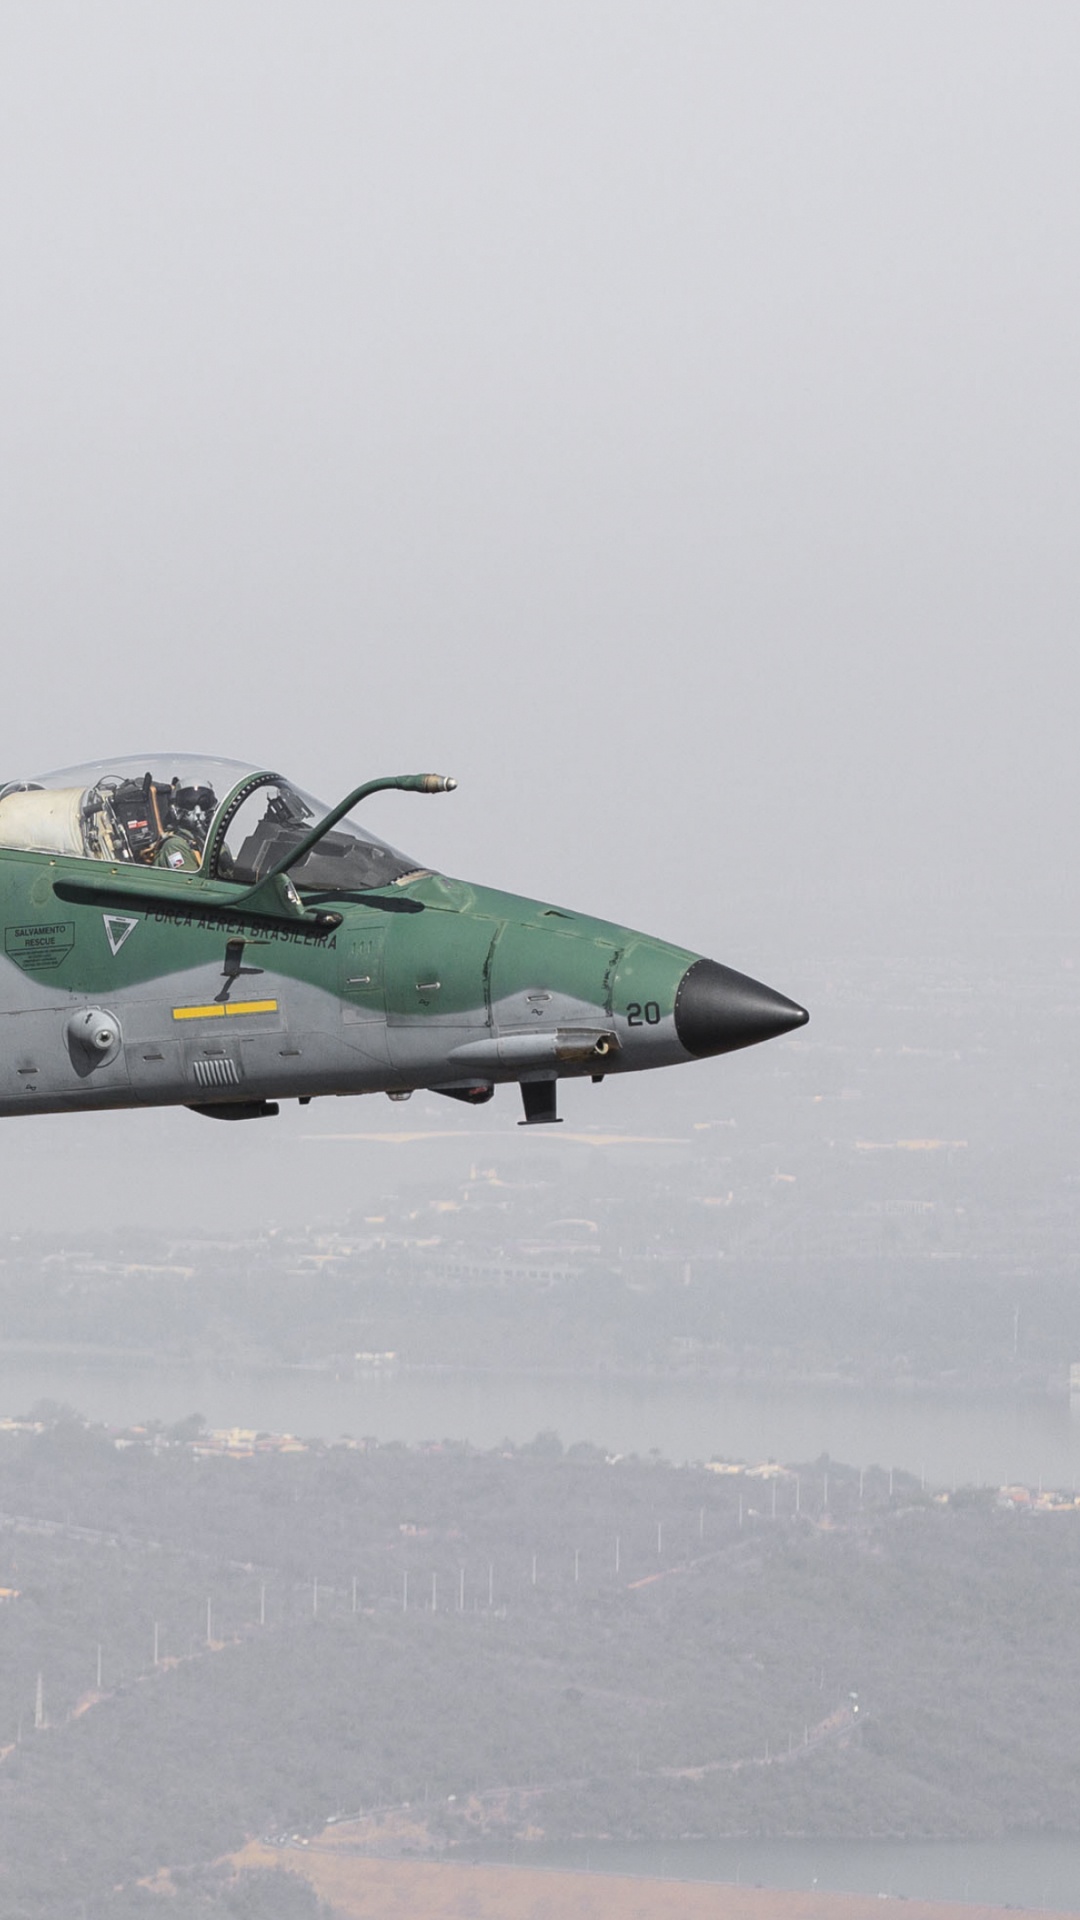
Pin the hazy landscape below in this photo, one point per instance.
(208, 1637)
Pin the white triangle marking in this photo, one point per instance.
(117, 928)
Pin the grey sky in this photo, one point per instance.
(662, 417)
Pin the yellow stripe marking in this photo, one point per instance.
(217, 1012)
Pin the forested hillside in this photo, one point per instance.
(194, 1649)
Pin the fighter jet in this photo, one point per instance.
(185, 931)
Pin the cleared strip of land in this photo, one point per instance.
(361, 1888)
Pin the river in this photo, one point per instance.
(950, 1441)
(1020, 1872)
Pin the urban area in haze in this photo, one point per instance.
(664, 419)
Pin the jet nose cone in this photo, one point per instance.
(718, 1011)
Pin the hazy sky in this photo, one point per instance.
(662, 417)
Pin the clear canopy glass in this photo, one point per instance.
(186, 810)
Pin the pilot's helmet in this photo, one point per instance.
(193, 810)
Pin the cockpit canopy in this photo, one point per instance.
(187, 811)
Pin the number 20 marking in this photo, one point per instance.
(636, 1013)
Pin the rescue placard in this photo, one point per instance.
(35, 949)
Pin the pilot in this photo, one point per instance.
(187, 823)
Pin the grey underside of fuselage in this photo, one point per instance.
(313, 1042)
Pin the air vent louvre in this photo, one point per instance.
(217, 1073)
